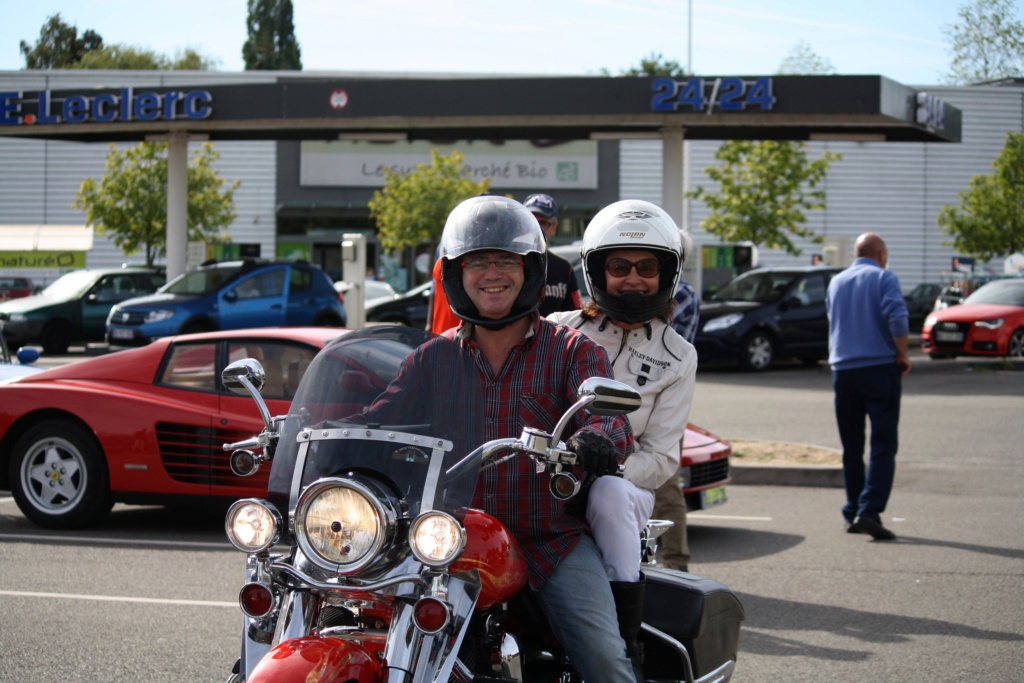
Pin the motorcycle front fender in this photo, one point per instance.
(313, 658)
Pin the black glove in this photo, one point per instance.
(595, 451)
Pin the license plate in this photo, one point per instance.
(949, 336)
(121, 334)
(712, 497)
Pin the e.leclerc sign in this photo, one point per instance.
(106, 107)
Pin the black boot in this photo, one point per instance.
(629, 608)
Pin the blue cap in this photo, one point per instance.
(542, 204)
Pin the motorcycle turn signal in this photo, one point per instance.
(564, 485)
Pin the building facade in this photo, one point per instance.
(299, 197)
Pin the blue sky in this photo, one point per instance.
(900, 39)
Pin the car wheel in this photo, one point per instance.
(1016, 346)
(56, 337)
(757, 351)
(59, 476)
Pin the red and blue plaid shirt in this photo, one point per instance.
(536, 385)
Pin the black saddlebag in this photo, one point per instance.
(700, 613)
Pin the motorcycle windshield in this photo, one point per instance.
(394, 403)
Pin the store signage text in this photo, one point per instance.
(106, 107)
(42, 259)
(724, 94)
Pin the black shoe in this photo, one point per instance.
(851, 529)
(873, 527)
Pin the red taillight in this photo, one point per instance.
(256, 599)
(430, 614)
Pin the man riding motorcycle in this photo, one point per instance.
(493, 272)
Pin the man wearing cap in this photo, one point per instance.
(561, 291)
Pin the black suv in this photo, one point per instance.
(766, 314)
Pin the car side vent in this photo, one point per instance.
(194, 455)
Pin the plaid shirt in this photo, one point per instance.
(687, 315)
(535, 386)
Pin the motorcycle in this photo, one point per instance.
(366, 561)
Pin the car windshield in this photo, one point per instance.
(761, 287)
(1006, 293)
(71, 285)
(202, 281)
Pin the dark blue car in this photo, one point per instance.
(766, 314)
(229, 296)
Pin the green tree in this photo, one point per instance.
(990, 219)
(59, 45)
(127, 57)
(765, 187)
(271, 45)
(652, 65)
(987, 44)
(412, 208)
(803, 61)
(130, 202)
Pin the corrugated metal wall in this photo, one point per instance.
(893, 188)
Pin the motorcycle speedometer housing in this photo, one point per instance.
(343, 526)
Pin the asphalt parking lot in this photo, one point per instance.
(941, 603)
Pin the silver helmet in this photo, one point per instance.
(632, 224)
(488, 223)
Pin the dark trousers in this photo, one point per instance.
(873, 393)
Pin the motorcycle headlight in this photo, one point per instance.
(341, 525)
(252, 525)
(436, 539)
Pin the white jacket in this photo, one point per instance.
(656, 361)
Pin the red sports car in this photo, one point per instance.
(990, 322)
(147, 425)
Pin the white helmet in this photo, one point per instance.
(632, 224)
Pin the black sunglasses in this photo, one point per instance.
(620, 267)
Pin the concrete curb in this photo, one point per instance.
(827, 476)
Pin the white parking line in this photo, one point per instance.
(116, 541)
(117, 598)
(697, 515)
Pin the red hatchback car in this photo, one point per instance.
(990, 322)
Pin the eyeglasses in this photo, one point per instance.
(479, 264)
(620, 267)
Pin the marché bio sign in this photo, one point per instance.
(105, 107)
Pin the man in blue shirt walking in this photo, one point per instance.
(868, 330)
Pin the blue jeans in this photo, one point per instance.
(874, 393)
(578, 602)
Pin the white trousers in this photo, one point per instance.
(617, 511)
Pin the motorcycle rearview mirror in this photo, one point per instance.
(247, 369)
(600, 396)
(246, 376)
(610, 397)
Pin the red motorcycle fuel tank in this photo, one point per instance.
(311, 658)
(491, 549)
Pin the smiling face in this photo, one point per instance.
(492, 282)
(631, 281)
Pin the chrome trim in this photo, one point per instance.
(680, 649)
(722, 674)
(308, 581)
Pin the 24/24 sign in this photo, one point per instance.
(725, 94)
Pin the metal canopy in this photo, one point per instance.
(311, 107)
(304, 106)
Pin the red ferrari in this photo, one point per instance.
(147, 425)
(990, 322)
